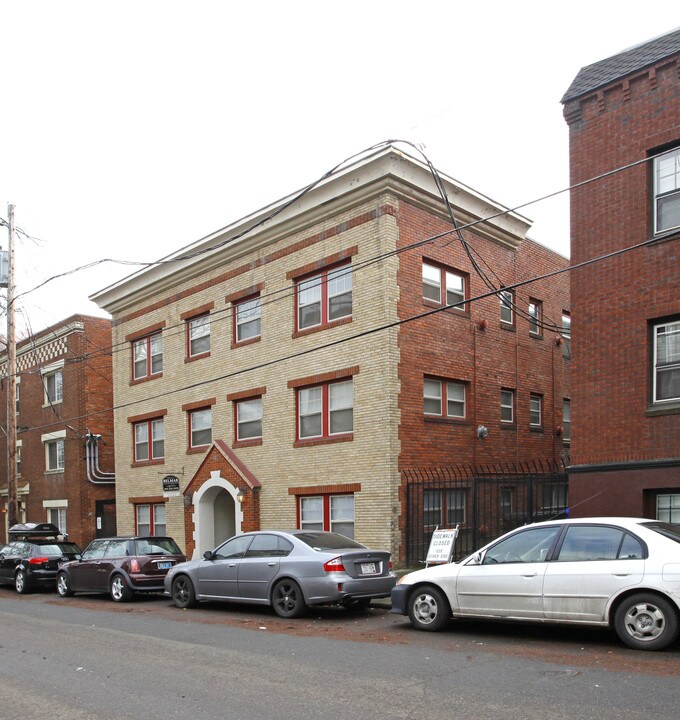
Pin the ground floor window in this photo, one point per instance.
(668, 507)
(327, 512)
(150, 519)
(444, 508)
(57, 516)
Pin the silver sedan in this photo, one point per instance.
(618, 572)
(287, 570)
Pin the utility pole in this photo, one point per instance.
(12, 499)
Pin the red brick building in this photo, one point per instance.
(64, 392)
(624, 121)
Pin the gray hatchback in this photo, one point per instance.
(288, 570)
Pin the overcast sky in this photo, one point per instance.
(132, 128)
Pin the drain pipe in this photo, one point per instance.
(94, 474)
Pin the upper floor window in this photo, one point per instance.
(444, 399)
(53, 383)
(249, 419)
(149, 440)
(247, 316)
(667, 191)
(535, 316)
(666, 379)
(535, 410)
(17, 397)
(147, 356)
(444, 285)
(17, 458)
(566, 335)
(326, 410)
(54, 455)
(507, 406)
(507, 298)
(324, 298)
(198, 335)
(200, 427)
(566, 421)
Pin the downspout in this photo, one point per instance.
(94, 474)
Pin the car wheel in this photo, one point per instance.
(63, 585)
(428, 608)
(21, 582)
(646, 622)
(287, 599)
(182, 592)
(120, 592)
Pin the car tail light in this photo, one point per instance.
(134, 565)
(38, 561)
(390, 565)
(334, 565)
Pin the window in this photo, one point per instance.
(535, 316)
(666, 378)
(328, 512)
(536, 410)
(326, 410)
(444, 399)
(54, 387)
(249, 419)
(667, 191)
(200, 427)
(17, 396)
(57, 516)
(247, 316)
(324, 298)
(453, 282)
(566, 335)
(507, 298)
(587, 542)
(150, 519)
(444, 508)
(54, 455)
(554, 497)
(668, 507)
(506, 502)
(526, 546)
(147, 354)
(17, 458)
(198, 335)
(149, 437)
(566, 421)
(507, 406)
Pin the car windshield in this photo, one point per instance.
(58, 548)
(327, 541)
(157, 546)
(666, 529)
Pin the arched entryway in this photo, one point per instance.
(217, 513)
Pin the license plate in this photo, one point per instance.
(164, 565)
(368, 569)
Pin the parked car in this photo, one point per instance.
(287, 570)
(32, 557)
(120, 566)
(617, 572)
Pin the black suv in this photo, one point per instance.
(33, 556)
(120, 566)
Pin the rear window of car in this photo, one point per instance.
(327, 541)
(157, 546)
(666, 529)
(58, 548)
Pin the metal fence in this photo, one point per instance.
(485, 501)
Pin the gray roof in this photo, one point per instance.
(623, 64)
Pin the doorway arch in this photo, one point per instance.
(217, 513)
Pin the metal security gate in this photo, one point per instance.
(485, 501)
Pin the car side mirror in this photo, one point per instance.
(476, 559)
(208, 555)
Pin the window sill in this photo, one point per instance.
(58, 471)
(197, 450)
(536, 336)
(319, 328)
(508, 426)
(510, 327)
(458, 311)
(243, 343)
(313, 442)
(536, 429)
(139, 381)
(254, 442)
(445, 420)
(200, 356)
(147, 463)
(670, 408)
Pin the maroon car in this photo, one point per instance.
(120, 566)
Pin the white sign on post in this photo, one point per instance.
(441, 546)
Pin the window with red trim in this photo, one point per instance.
(198, 335)
(324, 298)
(200, 427)
(149, 440)
(247, 319)
(325, 410)
(150, 519)
(442, 398)
(248, 419)
(147, 356)
(334, 513)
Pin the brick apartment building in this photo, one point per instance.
(274, 376)
(625, 111)
(64, 390)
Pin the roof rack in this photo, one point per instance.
(43, 530)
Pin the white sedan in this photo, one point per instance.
(618, 572)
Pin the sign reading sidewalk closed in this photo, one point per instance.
(441, 546)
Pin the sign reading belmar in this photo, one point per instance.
(170, 485)
(441, 546)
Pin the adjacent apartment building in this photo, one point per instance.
(64, 418)
(624, 124)
(283, 371)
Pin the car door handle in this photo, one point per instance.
(529, 574)
(623, 573)
(231, 565)
(271, 564)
